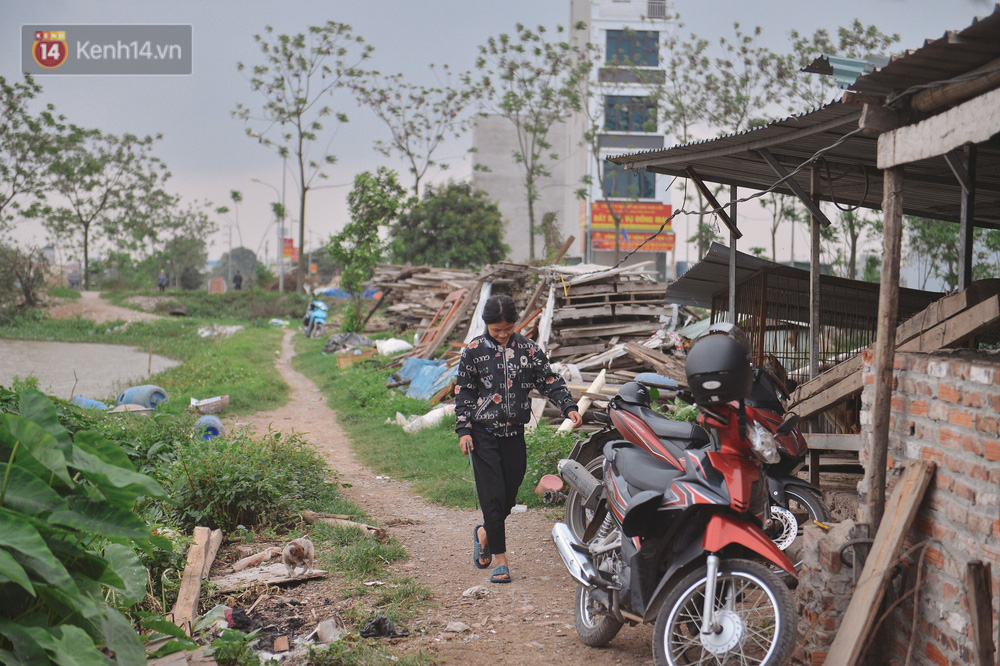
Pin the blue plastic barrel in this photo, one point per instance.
(88, 403)
(211, 425)
(146, 396)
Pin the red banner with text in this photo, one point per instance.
(639, 221)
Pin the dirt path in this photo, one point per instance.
(527, 622)
(90, 305)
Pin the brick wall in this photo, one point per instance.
(945, 408)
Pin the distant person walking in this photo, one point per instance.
(161, 281)
(237, 281)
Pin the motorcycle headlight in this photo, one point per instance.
(763, 444)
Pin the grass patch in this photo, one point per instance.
(430, 459)
(248, 305)
(63, 292)
(241, 365)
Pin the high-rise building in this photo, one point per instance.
(624, 39)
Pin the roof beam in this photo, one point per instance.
(707, 193)
(803, 196)
(974, 122)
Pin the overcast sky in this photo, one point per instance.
(208, 152)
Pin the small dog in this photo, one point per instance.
(298, 553)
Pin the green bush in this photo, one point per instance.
(67, 538)
(239, 480)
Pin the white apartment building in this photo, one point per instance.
(621, 32)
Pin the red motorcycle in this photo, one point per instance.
(676, 538)
(792, 502)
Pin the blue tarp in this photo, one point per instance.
(337, 292)
(427, 377)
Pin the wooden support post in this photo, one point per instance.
(806, 199)
(885, 351)
(716, 206)
(732, 255)
(979, 589)
(814, 275)
(966, 230)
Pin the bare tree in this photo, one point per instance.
(533, 83)
(419, 118)
(298, 74)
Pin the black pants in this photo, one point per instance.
(499, 463)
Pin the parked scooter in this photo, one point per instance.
(679, 542)
(793, 501)
(314, 322)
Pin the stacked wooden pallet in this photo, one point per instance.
(411, 295)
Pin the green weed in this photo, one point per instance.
(352, 650)
(63, 292)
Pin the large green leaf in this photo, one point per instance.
(117, 484)
(36, 406)
(19, 536)
(121, 638)
(9, 659)
(104, 448)
(12, 572)
(26, 493)
(42, 446)
(125, 563)
(29, 642)
(102, 518)
(75, 648)
(87, 568)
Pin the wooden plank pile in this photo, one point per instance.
(412, 295)
(611, 318)
(947, 322)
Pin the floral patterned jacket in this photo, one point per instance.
(494, 382)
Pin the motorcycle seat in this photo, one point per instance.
(642, 470)
(694, 435)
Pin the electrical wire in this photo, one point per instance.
(813, 158)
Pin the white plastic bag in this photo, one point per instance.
(411, 424)
(392, 346)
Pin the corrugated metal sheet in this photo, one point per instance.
(848, 171)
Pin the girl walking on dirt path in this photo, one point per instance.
(492, 406)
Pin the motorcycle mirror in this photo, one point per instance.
(788, 424)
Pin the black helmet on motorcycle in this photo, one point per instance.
(718, 369)
(732, 330)
(634, 393)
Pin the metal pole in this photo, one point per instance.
(732, 255)
(281, 232)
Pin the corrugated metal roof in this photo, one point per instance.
(956, 52)
(710, 276)
(849, 174)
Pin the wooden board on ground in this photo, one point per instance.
(864, 606)
(271, 574)
(186, 607)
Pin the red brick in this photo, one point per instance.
(995, 402)
(948, 393)
(943, 481)
(898, 403)
(961, 418)
(939, 411)
(918, 408)
(928, 453)
(982, 525)
(949, 438)
(991, 449)
(972, 445)
(972, 398)
(977, 471)
(987, 424)
(949, 591)
(956, 513)
(934, 654)
(954, 463)
(965, 491)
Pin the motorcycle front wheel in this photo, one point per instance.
(578, 517)
(755, 618)
(593, 628)
(317, 331)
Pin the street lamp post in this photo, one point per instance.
(280, 228)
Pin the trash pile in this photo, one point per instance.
(591, 320)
